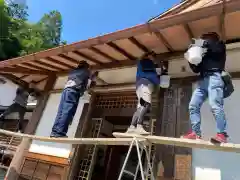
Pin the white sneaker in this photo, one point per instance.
(131, 129)
(140, 130)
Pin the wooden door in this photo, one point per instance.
(175, 163)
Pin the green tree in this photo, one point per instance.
(52, 28)
(9, 44)
(19, 37)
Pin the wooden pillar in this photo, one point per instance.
(83, 129)
(15, 166)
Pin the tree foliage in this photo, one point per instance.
(19, 37)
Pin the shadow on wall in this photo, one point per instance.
(215, 164)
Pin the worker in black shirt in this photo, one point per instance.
(211, 86)
(19, 105)
(77, 83)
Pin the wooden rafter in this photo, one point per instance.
(138, 44)
(24, 76)
(15, 79)
(87, 57)
(36, 66)
(25, 66)
(188, 31)
(66, 57)
(97, 51)
(39, 81)
(162, 23)
(69, 66)
(22, 71)
(48, 65)
(163, 40)
(121, 50)
(222, 21)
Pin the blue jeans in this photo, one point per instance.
(210, 86)
(66, 111)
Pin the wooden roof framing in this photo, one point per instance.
(168, 36)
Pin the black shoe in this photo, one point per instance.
(58, 136)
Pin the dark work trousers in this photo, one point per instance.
(66, 111)
(15, 107)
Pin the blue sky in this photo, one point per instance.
(83, 19)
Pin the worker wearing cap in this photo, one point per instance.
(77, 83)
(146, 80)
(211, 86)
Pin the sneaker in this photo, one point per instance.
(131, 129)
(191, 135)
(220, 138)
(57, 136)
(140, 130)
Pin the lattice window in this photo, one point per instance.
(120, 100)
(111, 101)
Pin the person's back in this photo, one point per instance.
(146, 70)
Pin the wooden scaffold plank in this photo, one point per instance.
(226, 147)
(126, 139)
(93, 141)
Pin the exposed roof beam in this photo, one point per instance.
(48, 65)
(188, 31)
(59, 62)
(39, 81)
(15, 79)
(206, 12)
(222, 22)
(121, 51)
(87, 57)
(130, 63)
(37, 66)
(139, 45)
(23, 71)
(64, 56)
(163, 40)
(97, 51)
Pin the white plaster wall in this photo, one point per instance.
(7, 92)
(45, 126)
(217, 165)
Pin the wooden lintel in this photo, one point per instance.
(97, 51)
(87, 57)
(23, 71)
(131, 63)
(163, 40)
(188, 31)
(121, 50)
(138, 44)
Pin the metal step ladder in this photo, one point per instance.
(86, 165)
(141, 148)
